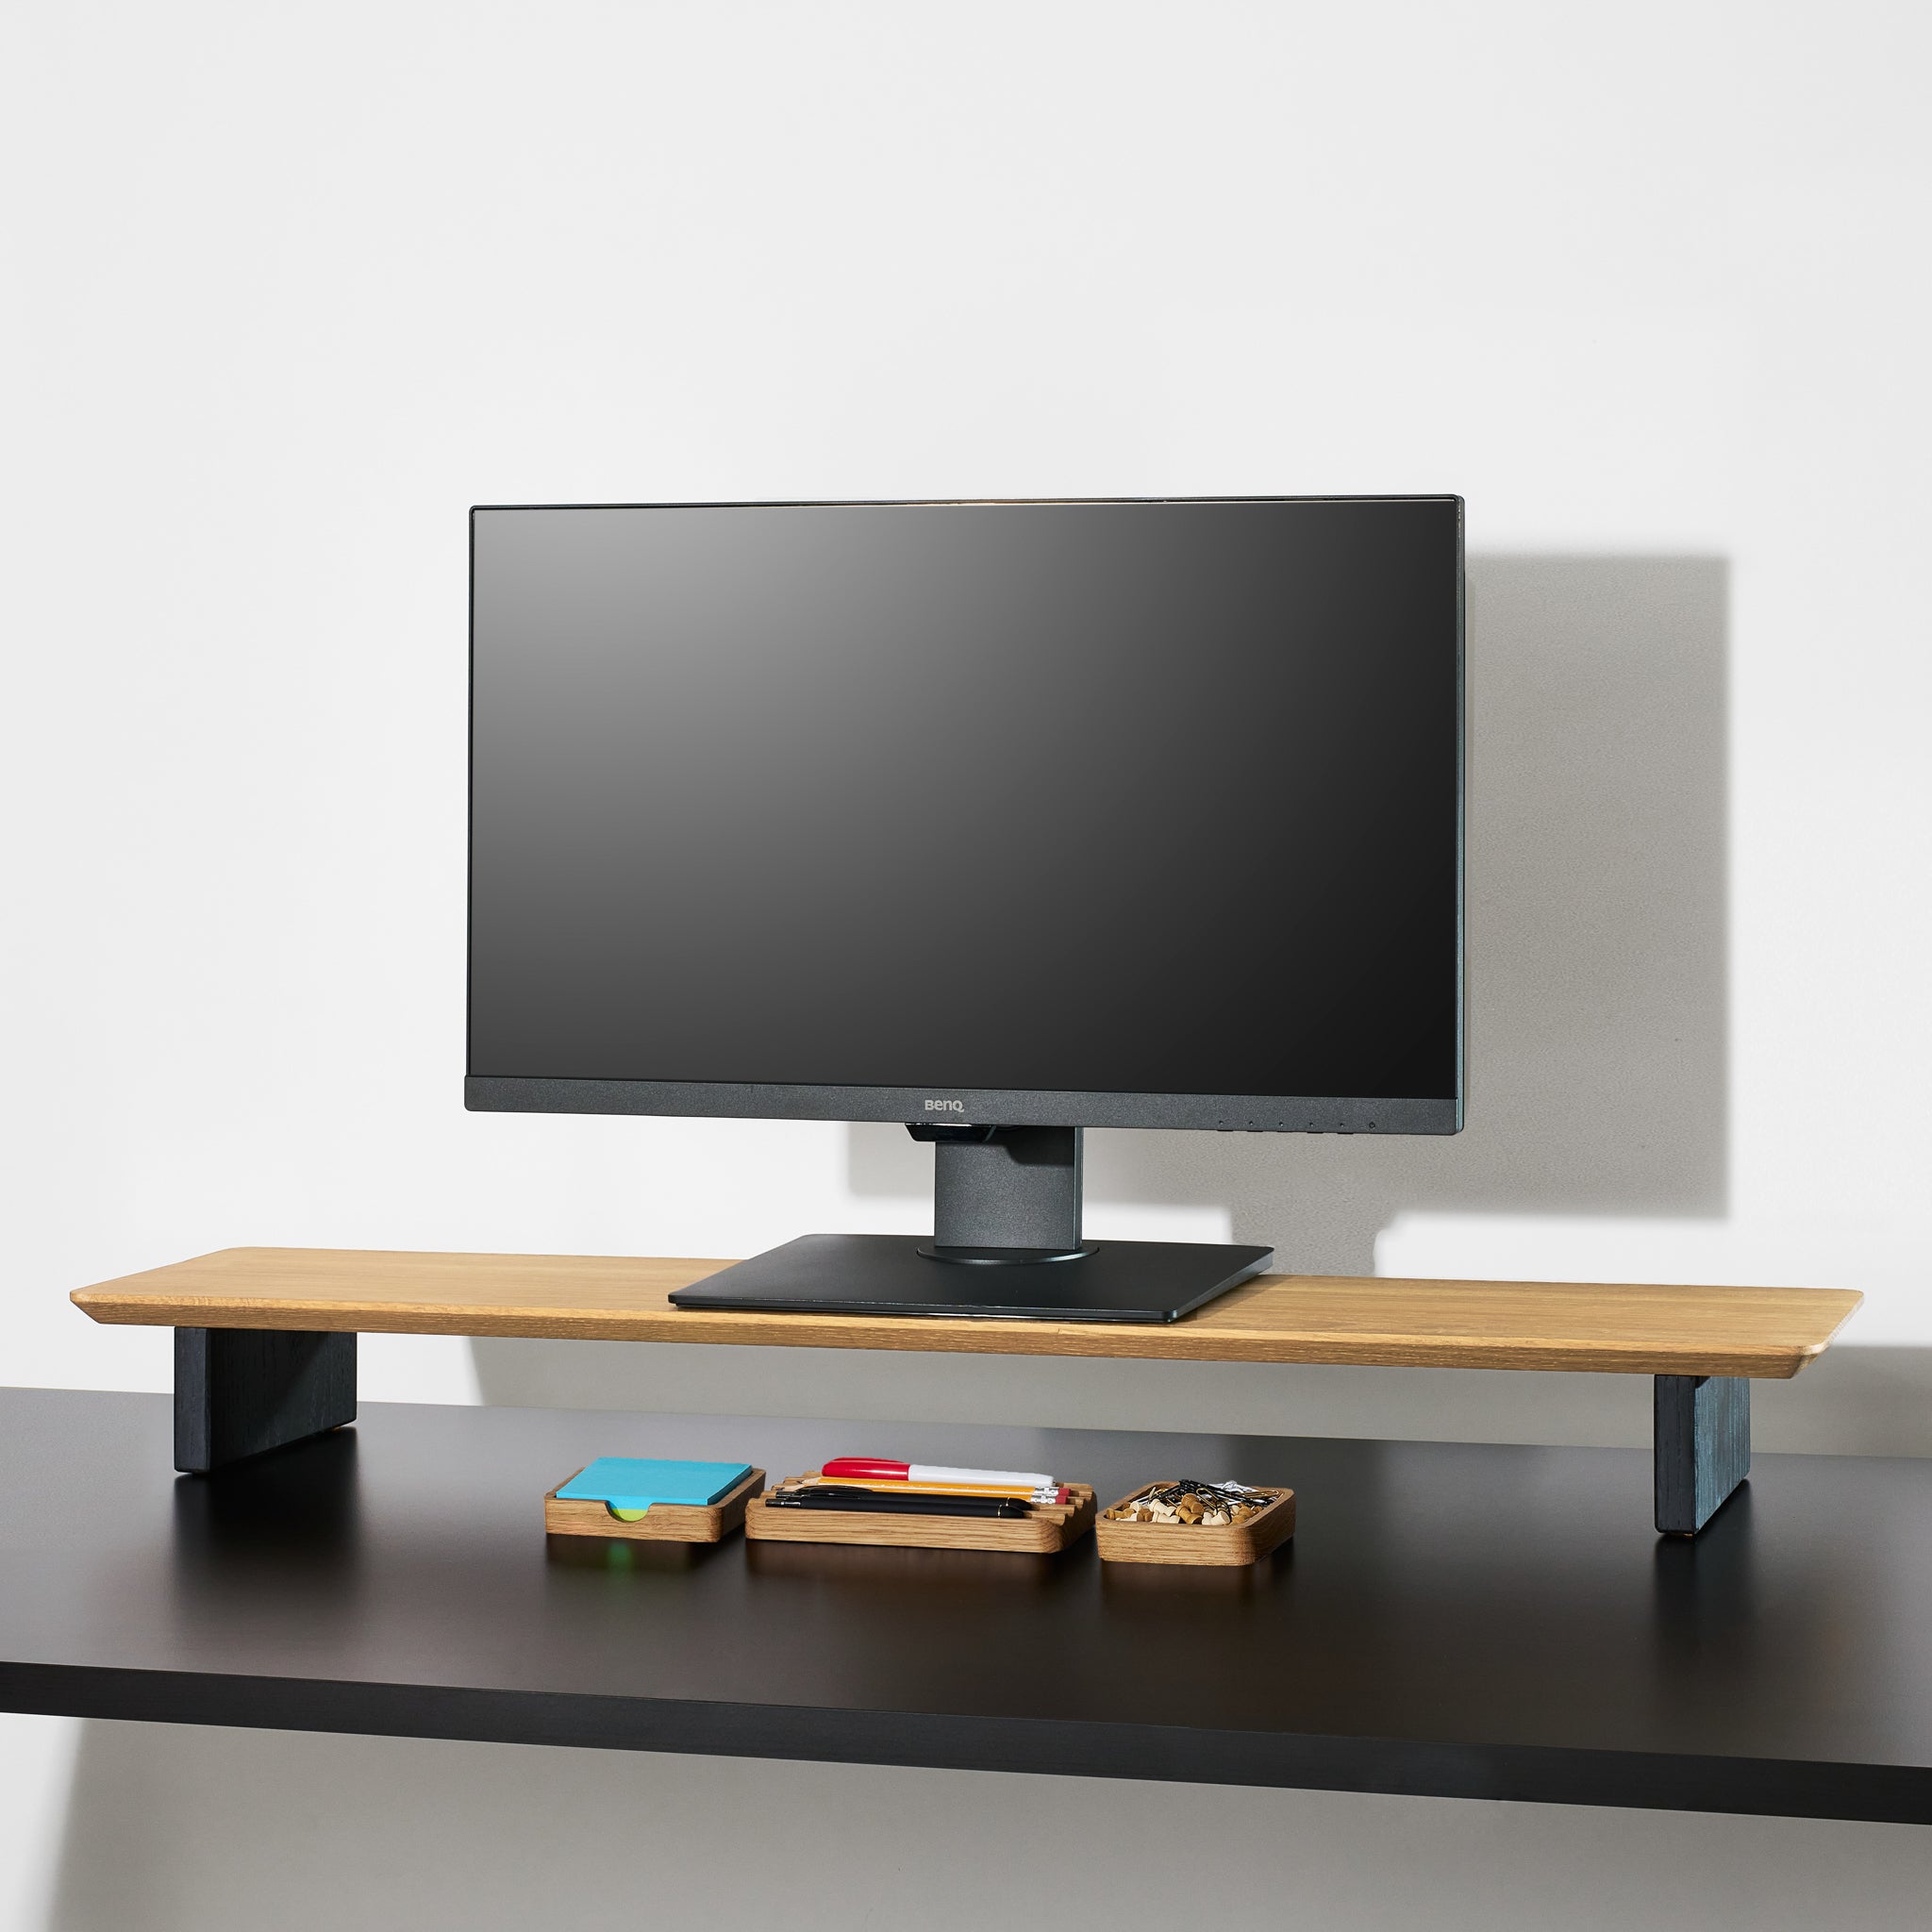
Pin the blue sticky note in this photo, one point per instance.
(635, 1482)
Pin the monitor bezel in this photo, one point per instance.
(988, 1107)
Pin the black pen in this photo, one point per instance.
(886, 1503)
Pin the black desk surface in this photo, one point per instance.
(1463, 1620)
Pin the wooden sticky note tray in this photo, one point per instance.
(1045, 1528)
(1189, 1542)
(662, 1522)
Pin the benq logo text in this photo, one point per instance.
(945, 1106)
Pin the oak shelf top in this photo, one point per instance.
(1626, 1329)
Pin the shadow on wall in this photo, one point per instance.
(1596, 909)
(1596, 858)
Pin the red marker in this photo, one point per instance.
(932, 1475)
(875, 1470)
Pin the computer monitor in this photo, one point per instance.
(998, 819)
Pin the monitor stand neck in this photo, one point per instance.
(1004, 1195)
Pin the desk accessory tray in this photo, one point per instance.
(1191, 1542)
(662, 1522)
(1046, 1527)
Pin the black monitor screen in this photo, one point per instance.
(1114, 798)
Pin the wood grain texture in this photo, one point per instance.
(1190, 1544)
(1046, 1527)
(1618, 1328)
(662, 1522)
(240, 1392)
(1702, 1430)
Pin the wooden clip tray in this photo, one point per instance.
(662, 1522)
(1045, 1528)
(1188, 1542)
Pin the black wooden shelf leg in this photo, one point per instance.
(240, 1391)
(1702, 1447)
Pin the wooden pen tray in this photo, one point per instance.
(1045, 1528)
(1189, 1543)
(662, 1522)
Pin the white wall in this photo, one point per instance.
(290, 287)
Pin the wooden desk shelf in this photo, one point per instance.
(235, 1397)
(1587, 1327)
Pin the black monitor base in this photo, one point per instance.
(888, 1275)
(1006, 1241)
